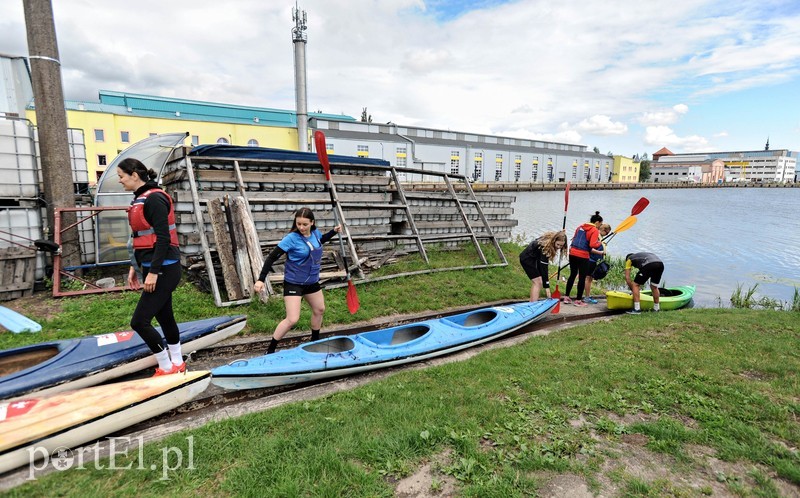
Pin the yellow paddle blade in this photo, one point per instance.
(626, 224)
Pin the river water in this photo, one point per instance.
(715, 238)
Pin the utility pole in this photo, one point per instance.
(300, 88)
(51, 119)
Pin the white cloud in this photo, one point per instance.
(602, 125)
(663, 117)
(664, 136)
(527, 65)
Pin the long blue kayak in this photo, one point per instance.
(56, 366)
(345, 355)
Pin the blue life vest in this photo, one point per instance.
(579, 241)
(305, 271)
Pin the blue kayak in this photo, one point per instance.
(345, 355)
(56, 366)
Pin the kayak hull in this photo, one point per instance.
(347, 355)
(57, 366)
(33, 428)
(672, 298)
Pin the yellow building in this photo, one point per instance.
(625, 170)
(122, 119)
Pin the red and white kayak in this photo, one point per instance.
(42, 425)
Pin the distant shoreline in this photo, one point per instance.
(533, 186)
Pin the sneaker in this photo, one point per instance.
(174, 370)
(160, 372)
(634, 312)
(579, 303)
(566, 300)
(589, 300)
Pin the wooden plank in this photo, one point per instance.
(16, 253)
(242, 217)
(224, 250)
(240, 251)
(292, 197)
(287, 178)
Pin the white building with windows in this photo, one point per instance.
(482, 158)
(751, 166)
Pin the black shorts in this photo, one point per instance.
(531, 267)
(652, 272)
(290, 289)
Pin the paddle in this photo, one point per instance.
(556, 293)
(639, 206)
(322, 154)
(625, 225)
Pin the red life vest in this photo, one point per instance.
(144, 237)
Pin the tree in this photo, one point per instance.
(596, 150)
(644, 170)
(365, 118)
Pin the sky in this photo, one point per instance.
(624, 76)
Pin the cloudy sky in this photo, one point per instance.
(627, 76)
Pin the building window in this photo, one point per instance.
(455, 162)
(478, 173)
(401, 158)
(252, 142)
(99, 135)
(517, 167)
(498, 167)
(222, 140)
(125, 137)
(195, 140)
(550, 172)
(101, 160)
(362, 150)
(329, 147)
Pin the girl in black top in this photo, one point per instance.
(535, 260)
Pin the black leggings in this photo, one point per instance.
(158, 304)
(580, 267)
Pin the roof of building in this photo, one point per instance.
(663, 151)
(132, 104)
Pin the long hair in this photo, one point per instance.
(548, 244)
(303, 213)
(130, 166)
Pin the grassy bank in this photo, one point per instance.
(688, 403)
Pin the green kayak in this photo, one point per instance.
(672, 298)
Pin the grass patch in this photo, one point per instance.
(722, 379)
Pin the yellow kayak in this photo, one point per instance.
(671, 298)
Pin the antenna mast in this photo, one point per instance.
(300, 87)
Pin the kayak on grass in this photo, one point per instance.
(671, 298)
(35, 427)
(55, 366)
(345, 355)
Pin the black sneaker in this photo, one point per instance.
(634, 312)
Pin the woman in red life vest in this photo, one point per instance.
(586, 238)
(155, 248)
(595, 256)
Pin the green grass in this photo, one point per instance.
(722, 379)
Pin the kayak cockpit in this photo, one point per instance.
(18, 360)
(332, 345)
(475, 319)
(395, 336)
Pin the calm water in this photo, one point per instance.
(715, 239)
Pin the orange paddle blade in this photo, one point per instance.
(352, 298)
(556, 295)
